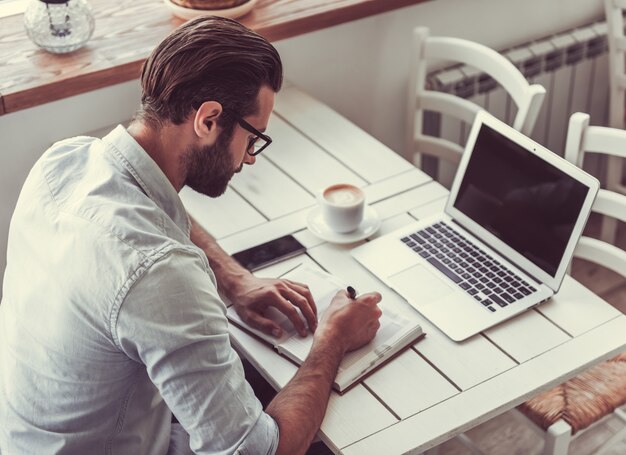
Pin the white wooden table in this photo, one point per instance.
(437, 388)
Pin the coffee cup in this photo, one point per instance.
(342, 207)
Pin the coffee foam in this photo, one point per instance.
(343, 195)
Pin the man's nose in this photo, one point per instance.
(249, 159)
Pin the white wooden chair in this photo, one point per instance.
(614, 10)
(427, 49)
(583, 138)
(597, 393)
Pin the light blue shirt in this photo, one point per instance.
(110, 316)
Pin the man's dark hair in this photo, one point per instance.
(209, 58)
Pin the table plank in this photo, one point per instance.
(465, 363)
(576, 309)
(359, 151)
(486, 400)
(409, 385)
(410, 199)
(270, 190)
(397, 184)
(426, 210)
(279, 269)
(353, 416)
(393, 223)
(307, 238)
(518, 336)
(265, 232)
(227, 214)
(304, 161)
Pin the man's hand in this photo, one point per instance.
(252, 297)
(352, 323)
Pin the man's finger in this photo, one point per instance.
(304, 291)
(288, 309)
(371, 298)
(301, 302)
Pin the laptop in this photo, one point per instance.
(503, 242)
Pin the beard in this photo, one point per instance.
(209, 168)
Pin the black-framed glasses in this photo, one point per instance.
(256, 144)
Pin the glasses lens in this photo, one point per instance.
(255, 145)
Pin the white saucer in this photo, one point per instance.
(318, 226)
(190, 13)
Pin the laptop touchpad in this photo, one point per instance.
(419, 285)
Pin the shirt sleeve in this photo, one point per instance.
(174, 322)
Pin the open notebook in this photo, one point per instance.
(396, 331)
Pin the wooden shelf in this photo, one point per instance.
(125, 34)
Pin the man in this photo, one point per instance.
(111, 316)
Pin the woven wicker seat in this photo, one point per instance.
(583, 400)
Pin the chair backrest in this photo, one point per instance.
(583, 138)
(527, 98)
(614, 10)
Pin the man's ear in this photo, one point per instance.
(205, 120)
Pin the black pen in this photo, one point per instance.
(351, 292)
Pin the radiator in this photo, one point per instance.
(573, 68)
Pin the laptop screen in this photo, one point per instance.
(518, 197)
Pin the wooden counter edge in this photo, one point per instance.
(310, 21)
(65, 88)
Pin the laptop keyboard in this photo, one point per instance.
(472, 269)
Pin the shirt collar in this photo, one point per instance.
(148, 175)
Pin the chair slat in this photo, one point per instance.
(610, 203)
(602, 253)
(445, 103)
(602, 139)
(444, 149)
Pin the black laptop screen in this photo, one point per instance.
(524, 201)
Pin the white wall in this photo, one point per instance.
(359, 69)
